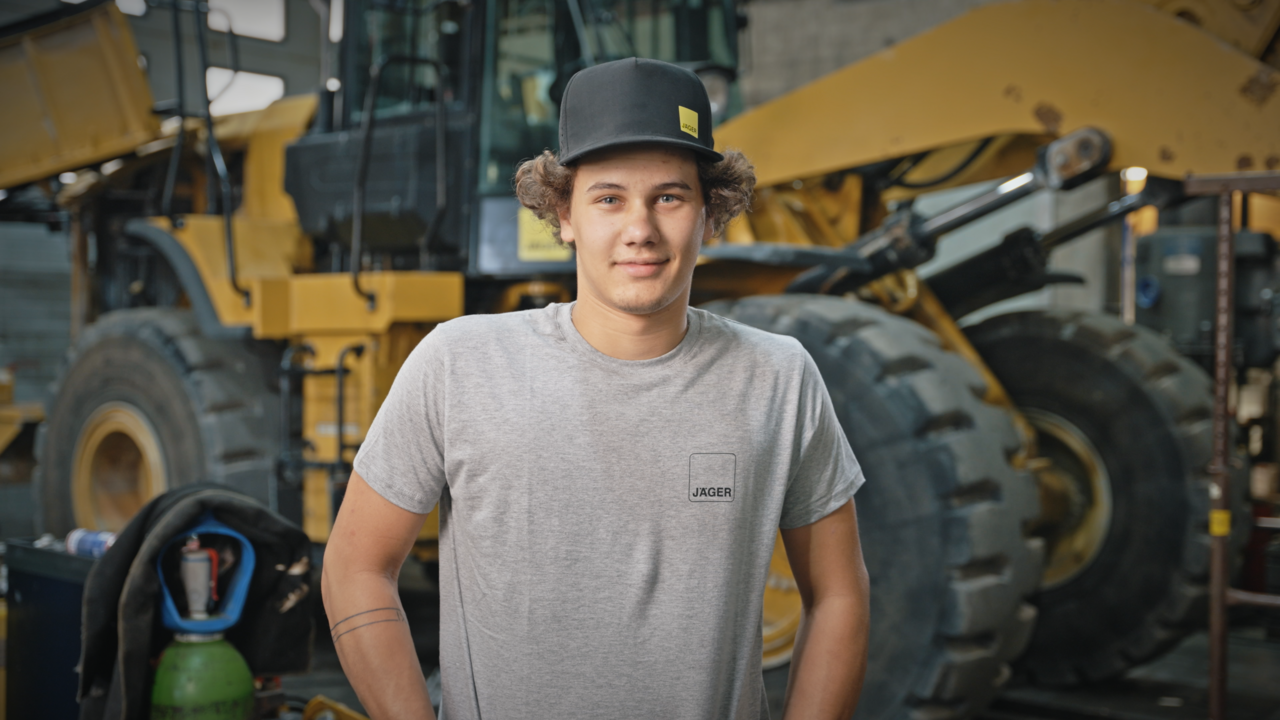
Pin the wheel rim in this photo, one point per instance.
(117, 468)
(782, 610)
(1075, 542)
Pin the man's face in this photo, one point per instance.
(637, 221)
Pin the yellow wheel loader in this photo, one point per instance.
(1112, 419)
(245, 288)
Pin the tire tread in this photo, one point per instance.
(1182, 392)
(227, 386)
(994, 566)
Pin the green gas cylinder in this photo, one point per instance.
(202, 677)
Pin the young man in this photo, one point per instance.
(610, 472)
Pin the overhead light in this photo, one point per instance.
(111, 166)
(67, 178)
(333, 84)
(1133, 174)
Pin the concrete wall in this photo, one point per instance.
(791, 42)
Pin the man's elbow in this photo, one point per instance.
(347, 568)
(335, 573)
(850, 589)
(863, 579)
(328, 570)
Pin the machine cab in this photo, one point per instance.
(499, 67)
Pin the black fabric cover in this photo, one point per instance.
(122, 633)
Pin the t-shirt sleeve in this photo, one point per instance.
(824, 472)
(402, 456)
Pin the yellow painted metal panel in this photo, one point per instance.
(430, 529)
(14, 417)
(327, 304)
(535, 242)
(264, 249)
(1247, 24)
(319, 419)
(1174, 99)
(317, 508)
(74, 96)
(368, 378)
(1264, 214)
(284, 303)
(270, 307)
(277, 126)
(1219, 523)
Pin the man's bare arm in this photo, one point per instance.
(371, 538)
(830, 657)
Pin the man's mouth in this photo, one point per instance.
(642, 267)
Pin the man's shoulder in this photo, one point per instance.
(483, 330)
(735, 338)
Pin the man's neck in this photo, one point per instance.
(626, 336)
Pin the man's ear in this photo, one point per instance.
(566, 227)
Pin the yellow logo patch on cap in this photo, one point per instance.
(689, 121)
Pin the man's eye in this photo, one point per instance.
(609, 200)
(667, 198)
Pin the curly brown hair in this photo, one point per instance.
(545, 186)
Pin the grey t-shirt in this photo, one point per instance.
(606, 525)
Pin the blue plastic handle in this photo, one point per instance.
(235, 593)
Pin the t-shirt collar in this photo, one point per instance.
(580, 346)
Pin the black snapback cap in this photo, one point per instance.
(636, 100)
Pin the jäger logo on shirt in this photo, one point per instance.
(712, 477)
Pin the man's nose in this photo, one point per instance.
(639, 228)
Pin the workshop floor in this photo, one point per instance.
(1171, 688)
(1174, 687)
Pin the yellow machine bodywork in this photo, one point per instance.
(1175, 99)
(319, 311)
(74, 96)
(14, 416)
(324, 313)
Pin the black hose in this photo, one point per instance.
(218, 163)
(949, 175)
(171, 176)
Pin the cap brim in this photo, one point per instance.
(697, 148)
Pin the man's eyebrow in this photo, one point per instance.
(673, 185)
(669, 185)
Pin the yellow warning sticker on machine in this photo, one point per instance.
(534, 241)
(1219, 523)
(689, 120)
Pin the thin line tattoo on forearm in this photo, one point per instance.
(385, 615)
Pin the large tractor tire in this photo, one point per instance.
(942, 511)
(146, 403)
(1127, 424)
